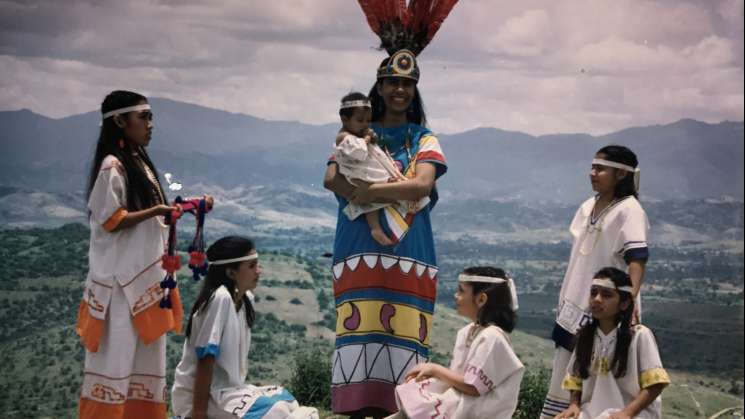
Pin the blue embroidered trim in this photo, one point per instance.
(639, 253)
(263, 404)
(210, 349)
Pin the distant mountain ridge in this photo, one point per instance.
(684, 160)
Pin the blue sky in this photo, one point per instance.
(539, 67)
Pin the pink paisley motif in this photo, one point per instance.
(353, 321)
(422, 328)
(386, 312)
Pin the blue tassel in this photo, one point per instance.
(166, 301)
(168, 282)
(199, 271)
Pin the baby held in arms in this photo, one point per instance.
(361, 161)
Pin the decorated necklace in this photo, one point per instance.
(406, 146)
(594, 227)
(602, 353)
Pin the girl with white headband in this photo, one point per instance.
(483, 380)
(615, 371)
(609, 229)
(120, 321)
(210, 379)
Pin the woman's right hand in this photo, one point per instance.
(164, 210)
(572, 412)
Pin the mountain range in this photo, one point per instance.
(687, 159)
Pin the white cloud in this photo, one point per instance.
(515, 65)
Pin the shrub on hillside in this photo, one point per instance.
(532, 393)
(311, 379)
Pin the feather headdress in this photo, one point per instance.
(405, 31)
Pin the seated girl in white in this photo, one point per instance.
(210, 379)
(615, 371)
(484, 377)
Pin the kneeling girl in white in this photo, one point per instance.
(615, 371)
(484, 377)
(210, 379)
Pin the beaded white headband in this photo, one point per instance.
(494, 280)
(355, 104)
(252, 256)
(135, 108)
(607, 283)
(616, 165)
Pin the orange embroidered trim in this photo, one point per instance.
(131, 409)
(89, 328)
(154, 321)
(113, 222)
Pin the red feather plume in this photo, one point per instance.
(406, 27)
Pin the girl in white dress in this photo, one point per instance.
(483, 380)
(615, 371)
(210, 379)
(120, 320)
(609, 229)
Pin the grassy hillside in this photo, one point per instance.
(41, 284)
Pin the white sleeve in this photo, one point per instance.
(108, 198)
(492, 361)
(632, 239)
(208, 336)
(353, 147)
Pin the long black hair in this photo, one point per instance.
(586, 336)
(498, 308)
(141, 193)
(415, 114)
(228, 247)
(620, 154)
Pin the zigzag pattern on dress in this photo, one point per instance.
(387, 262)
(372, 361)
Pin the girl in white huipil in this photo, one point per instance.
(120, 321)
(210, 379)
(615, 371)
(483, 380)
(609, 229)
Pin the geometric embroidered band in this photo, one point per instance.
(355, 104)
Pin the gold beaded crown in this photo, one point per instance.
(404, 31)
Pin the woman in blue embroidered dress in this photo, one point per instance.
(385, 294)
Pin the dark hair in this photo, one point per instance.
(586, 336)
(621, 154)
(348, 112)
(228, 247)
(498, 308)
(415, 114)
(141, 193)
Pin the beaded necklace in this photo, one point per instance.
(406, 145)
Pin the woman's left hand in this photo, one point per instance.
(620, 415)
(361, 195)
